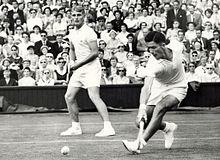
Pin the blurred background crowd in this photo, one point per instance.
(34, 43)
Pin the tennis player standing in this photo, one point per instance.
(86, 74)
(164, 88)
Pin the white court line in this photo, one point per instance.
(100, 140)
(114, 123)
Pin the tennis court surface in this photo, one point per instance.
(37, 137)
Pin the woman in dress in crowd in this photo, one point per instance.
(46, 79)
(121, 77)
(172, 33)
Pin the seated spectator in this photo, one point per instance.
(158, 18)
(34, 20)
(105, 76)
(5, 66)
(208, 31)
(210, 75)
(112, 43)
(100, 25)
(113, 68)
(201, 69)
(121, 77)
(141, 44)
(172, 33)
(24, 44)
(61, 72)
(215, 47)
(197, 46)
(26, 80)
(32, 57)
(25, 64)
(216, 36)
(42, 65)
(46, 79)
(15, 59)
(191, 31)
(50, 61)
(35, 35)
(120, 53)
(59, 26)
(204, 41)
(18, 33)
(192, 75)
(102, 45)
(103, 62)
(146, 18)
(208, 18)
(131, 22)
(194, 57)
(48, 20)
(6, 48)
(122, 35)
(131, 45)
(7, 80)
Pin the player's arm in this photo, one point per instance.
(94, 54)
(72, 52)
(144, 96)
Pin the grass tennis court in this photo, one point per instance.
(36, 137)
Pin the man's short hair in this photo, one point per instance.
(79, 9)
(155, 36)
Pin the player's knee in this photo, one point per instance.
(68, 97)
(160, 109)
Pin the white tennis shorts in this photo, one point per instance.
(158, 92)
(86, 76)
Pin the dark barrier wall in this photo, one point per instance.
(119, 96)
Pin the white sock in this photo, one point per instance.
(107, 124)
(76, 124)
(166, 129)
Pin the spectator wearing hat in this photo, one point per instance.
(112, 43)
(26, 80)
(118, 21)
(35, 35)
(34, 20)
(43, 42)
(120, 53)
(7, 80)
(6, 66)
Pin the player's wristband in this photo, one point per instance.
(143, 106)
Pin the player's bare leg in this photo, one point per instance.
(161, 108)
(94, 94)
(70, 98)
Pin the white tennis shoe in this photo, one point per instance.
(72, 131)
(105, 132)
(132, 146)
(169, 135)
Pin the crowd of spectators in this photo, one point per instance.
(34, 43)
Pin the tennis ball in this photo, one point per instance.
(65, 150)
